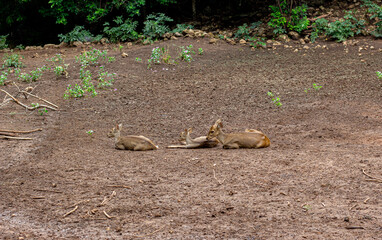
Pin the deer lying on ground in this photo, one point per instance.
(249, 139)
(199, 142)
(130, 142)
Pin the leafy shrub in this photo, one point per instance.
(257, 42)
(79, 33)
(344, 28)
(3, 77)
(3, 41)
(33, 76)
(319, 27)
(376, 14)
(243, 31)
(379, 75)
(181, 27)
(283, 18)
(123, 32)
(155, 25)
(12, 61)
(185, 53)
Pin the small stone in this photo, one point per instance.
(174, 38)
(276, 43)
(242, 41)
(294, 35)
(296, 50)
(78, 44)
(213, 41)
(124, 55)
(178, 34)
(305, 47)
(302, 41)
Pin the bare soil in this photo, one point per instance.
(309, 184)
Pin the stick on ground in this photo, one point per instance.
(71, 211)
(15, 131)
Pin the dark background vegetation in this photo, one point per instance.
(35, 22)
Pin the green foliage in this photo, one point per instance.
(181, 27)
(376, 15)
(105, 79)
(276, 100)
(200, 51)
(125, 30)
(3, 77)
(32, 76)
(92, 57)
(155, 25)
(156, 56)
(257, 42)
(284, 18)
(137, 59)
(319, 27)
(79, 33)
(3, 41)
(243, 30)
(344, 28)
(12, 60)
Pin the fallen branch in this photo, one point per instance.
(78, 203)
(354, 227)
(47, 190)
(25, 106)
(16, 138)
(373, 179)
(30, 94)
(220, 183)
(8, 134)
(14, 131)
(70, 212)
(38, 197)
(107, 199)
(119, 186)
(107, 215)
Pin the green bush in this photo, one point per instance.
(243, 30)
(376, 15)
(379, 75)
(181, 27)
(319, 27)
(155, 25)
(125, 30)
(3, 41)
(284, 18)
(79, 33)
(344, 28)
(12, 61)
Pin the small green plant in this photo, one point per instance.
(200, 51)
(3, 41)
(379, 75)
(13, 60)
(90, 132)
(105, 79)
(58, 65)
(79, 33)
(306, 207)
(91, 57)
(155, 25)
(242, 32)
(181, 27)
(156, 54)
(276, 100)
(137, 59)
(42, 111)
(75, 92)
(185, 53)
(315, 87)
(20, 46)
(124, 31)
(3, 77)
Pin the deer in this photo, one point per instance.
(130, 142)
(251, 138)
(199, 142)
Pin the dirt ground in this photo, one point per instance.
(309, 184)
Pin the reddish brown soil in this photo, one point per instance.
(307, 185)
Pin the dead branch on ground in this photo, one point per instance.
(71, 211)
(373, 179)
(16, 131)
(107, 199)
(119, 186)
(107, 215)
(27, 107)
(15, 138)
(220, 182)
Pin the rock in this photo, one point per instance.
(210, 35)
(305, 47)
(39, 48)
(63, 45)
(49, 45)
(104, 41)
(294, 35)
(174, 38)
(302, 41)
(307, 39)
(146, 42)
(129, 45)
(242, 41)
(30, 48)
(296, 50)
(276, 43)
(124, 55)
(283, 38)
(178, 34)
(269, 41)
(77, 44)
(230, 41)
(213, 41)
(189, 32)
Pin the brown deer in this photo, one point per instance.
(130, 142)
(249, 139)
(199, 142)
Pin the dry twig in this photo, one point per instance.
(14, 131)
(47, 190)
(71, 211)
(220, 182)
(119, 186)
(30, 94)
(38, 197)
(78, 203)
(16, 138)
(107, 215)
(373, 179)
(27, 107)
(107, 199)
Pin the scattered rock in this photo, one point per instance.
(49, 45)
(30, 48)
(167, 35)
(230, 41)
(296, 50)
(78, 44)
(174, 38)
(124, 55)
(104, 41)
(276, 43)
(178, 34)
(63, 45)
(302, 41)
(306, 47)
(129, 45)
(213, 41)
(284, 38)
(294, 35)
(242, 41)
